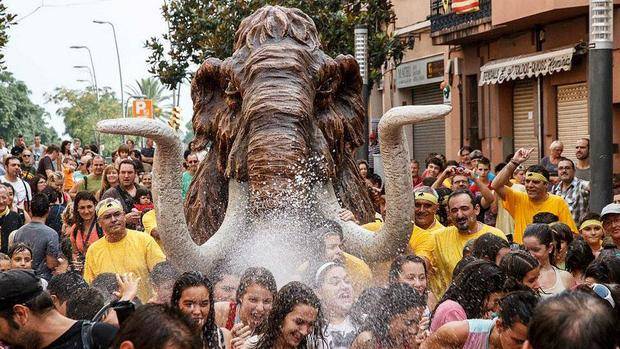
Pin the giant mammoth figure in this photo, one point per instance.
(282, 119)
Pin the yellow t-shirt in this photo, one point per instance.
(136, 253)
(522, 210)
(359, 272)
(421, 243)
(448, 252)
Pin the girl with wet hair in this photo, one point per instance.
(578, 256)
(490, 248)
(603, 270)
(398, 321)
(192, 293)
(334, 289)
(254, 300)
(563, 236)
(411, 270)
(473, 294)
(521, 269)
(296, 321)
(538, 241)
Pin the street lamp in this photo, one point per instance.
(118, 58)
(90, 73)
(92, 65)
(361, 56)
(600, 99)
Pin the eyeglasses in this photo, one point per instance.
(604, 292)
(192, 162)
(26, 155)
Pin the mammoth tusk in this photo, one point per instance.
(167, 191)
(396, 230)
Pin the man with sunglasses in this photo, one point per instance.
(27, 166)
(192, 167)
(122, 250)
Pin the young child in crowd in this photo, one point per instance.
(145, 201)
(68, 167)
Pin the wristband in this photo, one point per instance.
(514, 162)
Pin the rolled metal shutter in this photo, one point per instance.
(572, 119)
(428, 136)
(524, 118)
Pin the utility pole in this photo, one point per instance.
(600, 102)
(361, 56)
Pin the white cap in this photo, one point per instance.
(610, 209)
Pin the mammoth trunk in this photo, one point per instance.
(279, 163)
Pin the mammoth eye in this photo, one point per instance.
(326, 87)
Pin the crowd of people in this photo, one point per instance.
(501, 257)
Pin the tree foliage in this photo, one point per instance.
(6, 20)
(200, 29)
(18, 114)
(154, 90)
(81, 110)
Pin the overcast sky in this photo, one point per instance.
(38, 50)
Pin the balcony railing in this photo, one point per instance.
(445, 22)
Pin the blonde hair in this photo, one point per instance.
(105, 185)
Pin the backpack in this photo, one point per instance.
(87, 335)
(54, 218)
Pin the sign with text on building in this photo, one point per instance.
(142, 108)
(420, 72)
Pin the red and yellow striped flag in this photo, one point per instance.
(465, 6)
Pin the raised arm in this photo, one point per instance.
(448, 172)
(499, 183)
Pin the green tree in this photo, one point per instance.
(19, 115)
(200, 29)
(154, 90)
(6, 20)
(81, 111)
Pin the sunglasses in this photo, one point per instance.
(192, 162)
(26, 155)
(604, 292)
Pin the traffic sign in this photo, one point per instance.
(142, 108)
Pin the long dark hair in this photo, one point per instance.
(544, 234)
(397, 299)
(79, 221)
(259, 276)
(196, 279)
(292, 294)
(516, 264)
(473, 285)
(487, 246)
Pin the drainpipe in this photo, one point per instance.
(539, 33)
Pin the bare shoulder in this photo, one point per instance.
(567, 278)
(451, 335)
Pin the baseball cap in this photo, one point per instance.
(610, 209)
(18, 286)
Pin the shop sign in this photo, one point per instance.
(420, 72)
(527, 66)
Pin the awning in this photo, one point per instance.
(531, 65)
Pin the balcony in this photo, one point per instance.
(452, 28)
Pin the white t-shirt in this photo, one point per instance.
(340, 336)
(22, 191)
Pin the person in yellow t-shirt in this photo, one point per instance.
(421, 242)
(523, 206)
(449, 241)
(122, 250)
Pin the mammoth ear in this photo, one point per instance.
(341, 123)
(349, 100)
(212, 115)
